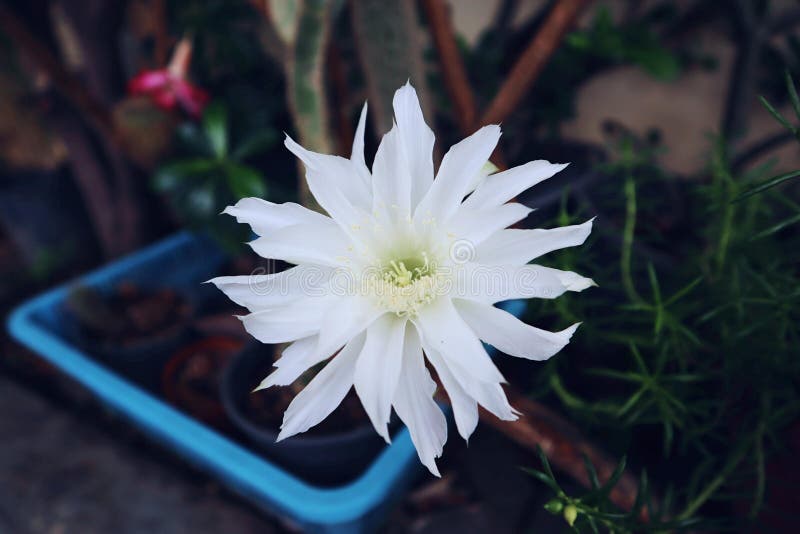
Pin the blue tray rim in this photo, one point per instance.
(240, 469)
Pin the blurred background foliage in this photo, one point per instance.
(687, 358)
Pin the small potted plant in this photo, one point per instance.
(129, 328)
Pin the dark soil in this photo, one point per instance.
(129, 315)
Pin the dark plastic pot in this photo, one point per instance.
(191, 378)
(325, 459)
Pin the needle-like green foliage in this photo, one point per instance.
(690, 341)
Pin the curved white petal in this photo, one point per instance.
(348, 316)
(299, 319)
(465, 408)
(510, 335)
(495, 283)
(459, 167)
(514, 247)
(443, 330)
(378, 370)
(357, 154)
(391, 181)
(488, 169)
(265, 217)
(503, 186)
(324, 393)
(295, 360)
(417, 140)
(477, 225)
(333, 182)
(459, 381)
(490, 395)
(261, 291)
(345, 319)
(414, 404)
(304, 243)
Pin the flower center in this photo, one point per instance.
(405, 285)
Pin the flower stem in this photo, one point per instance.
(627, 239)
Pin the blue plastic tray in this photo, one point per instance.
(184, 261)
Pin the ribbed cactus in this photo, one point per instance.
(390, 53)
(302, 26)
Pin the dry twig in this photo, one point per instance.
(533, 60)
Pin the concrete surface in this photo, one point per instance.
(61, 475)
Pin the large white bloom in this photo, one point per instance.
(404, 270)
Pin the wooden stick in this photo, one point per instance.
(453, 72)
(563, 445)
(533, 60)
(561, 442)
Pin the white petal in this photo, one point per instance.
(465, 408)
(476, 225)
(357, 153)
(391, 181)
(334, 182)
(265, 217)
(443, 330)
(417, 139)
(488, 394)
(347, 317)
(459, 167)
(378, 370)
(295, 360)
(503, 186)
(487, 169)
(300, 318)
(261, 291)
(304, 243)
(414, 404)
(495, 283)
(513, 246)
(323, 394)
(510, 335)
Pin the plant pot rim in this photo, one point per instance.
(174, 331)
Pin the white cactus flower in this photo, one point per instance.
(404, 272)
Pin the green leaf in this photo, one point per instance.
(776, 114)
(684, 291)
(258, 142)
(778, 227)
(215, 122)
(170, 176)
(772, 182)
(193, 139)
(201, 203)
(244, 181)
(615, 476)
(660, 63)
(792, 94)
(590, 470)
(542, 477)
(641, 495)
